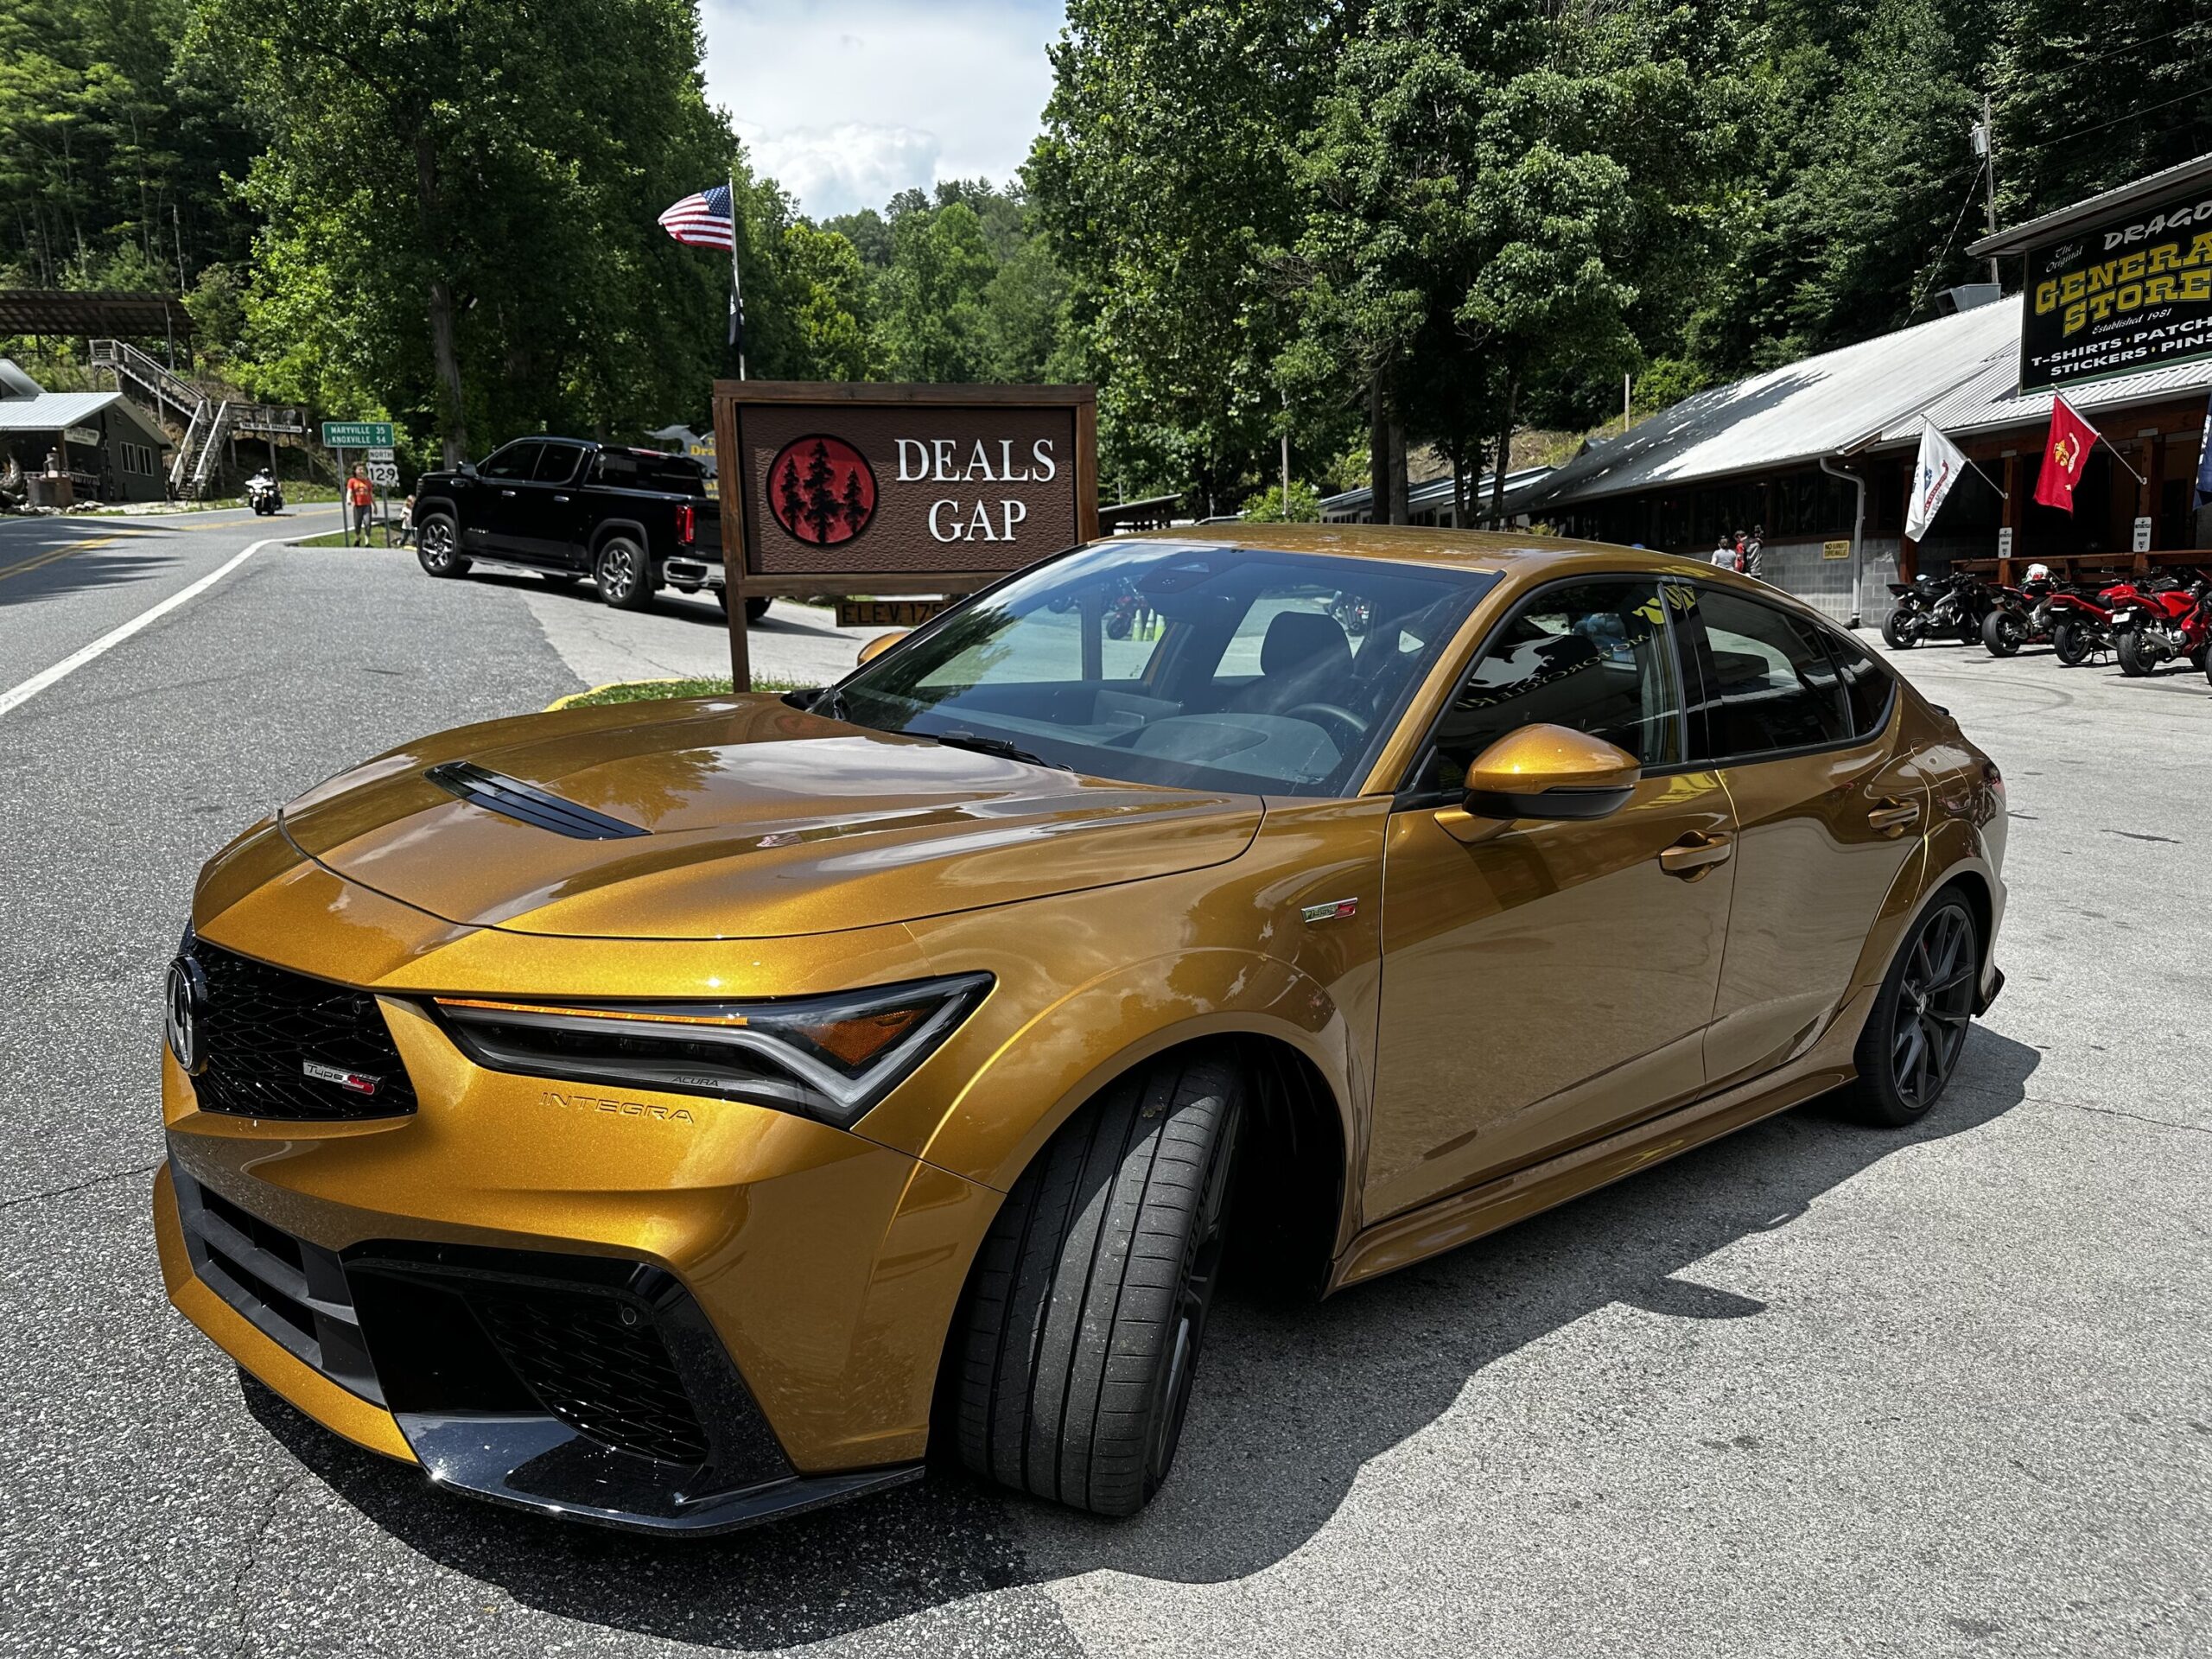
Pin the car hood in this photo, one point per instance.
(759, 821)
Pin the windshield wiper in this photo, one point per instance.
(997, 745)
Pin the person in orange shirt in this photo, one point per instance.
(359, 496)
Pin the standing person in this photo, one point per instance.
(1724, 552)
(407, 522)
(359, 496)
(1754, 552)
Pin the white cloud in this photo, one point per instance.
(848, 102)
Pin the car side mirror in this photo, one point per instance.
(882, 642)
(1550, 773)
(468, 469)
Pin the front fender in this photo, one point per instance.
(1070, 1050)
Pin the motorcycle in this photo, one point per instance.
(2020, 616)
(2080, 626)
(1937, 608)
(2149, 627)
(264, 495)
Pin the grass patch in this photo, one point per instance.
(647, 690)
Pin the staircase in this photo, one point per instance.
(207, 420)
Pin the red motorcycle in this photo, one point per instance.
(2021, 615)
(2149, 626)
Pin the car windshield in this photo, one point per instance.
(1203, 666)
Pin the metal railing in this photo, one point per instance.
(207, 421)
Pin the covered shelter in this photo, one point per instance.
(106, 447)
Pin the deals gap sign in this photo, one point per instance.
(890, 490)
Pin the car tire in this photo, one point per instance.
(2134, 662)
(756, 607)
(437, 546)
(624, 574)
(1071, 1366)
(1997, 636)
(1895, 633)
(1917, 1027)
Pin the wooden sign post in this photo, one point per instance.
(836, 487)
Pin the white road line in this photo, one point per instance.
(109, 641)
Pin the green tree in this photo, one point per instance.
(828, 288)
(930, 301)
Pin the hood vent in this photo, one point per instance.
(512, 799)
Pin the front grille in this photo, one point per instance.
(293, 1292)
(598, 1364)
(262, 1024)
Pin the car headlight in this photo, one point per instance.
(829, 1058)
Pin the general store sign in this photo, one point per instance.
(2131, 293)
(892, 489)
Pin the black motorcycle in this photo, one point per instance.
(2021, 616)
(1938, 608)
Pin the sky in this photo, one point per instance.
(846, 104)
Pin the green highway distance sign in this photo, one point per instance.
(356, 434)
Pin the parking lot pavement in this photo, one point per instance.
(683, 637)
(1816, 1390)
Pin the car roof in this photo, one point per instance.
(1523, 556)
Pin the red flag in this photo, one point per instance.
(2066, 452)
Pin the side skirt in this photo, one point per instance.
(1462, 1217)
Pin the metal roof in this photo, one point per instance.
(1831, 404)
(1433, 492)
(52, 411)
(2105, 205)
(1992, 400)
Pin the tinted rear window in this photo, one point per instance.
(1770, 683)
(633, 469)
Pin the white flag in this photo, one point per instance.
(1941, 463)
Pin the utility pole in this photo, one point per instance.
(1984, 143)
(1286, 455)
(1627, 399)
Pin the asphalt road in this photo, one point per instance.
(1814, 1390)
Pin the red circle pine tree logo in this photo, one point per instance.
(821, 490)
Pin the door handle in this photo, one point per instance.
(560, 498)
(1892, 816)
(1694, 855)
(506, 491)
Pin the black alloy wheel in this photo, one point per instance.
(2002, 632)
(1917, 1027)
(437, 547)
(1898, 631)
(622, 573)
(2135, 657)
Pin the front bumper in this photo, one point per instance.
(762, 1299)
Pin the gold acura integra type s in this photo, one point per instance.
(674, 1115)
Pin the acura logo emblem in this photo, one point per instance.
(186, 1013)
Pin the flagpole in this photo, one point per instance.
(2058, 398)
(1927, 425)
(736, 292)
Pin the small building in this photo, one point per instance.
(109, 448)
(1821, 453)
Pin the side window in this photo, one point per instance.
(1770, 683)
(515, 460)
(557, 465)
(1867, 686)
(1591, 655)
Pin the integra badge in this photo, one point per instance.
(360, 1083)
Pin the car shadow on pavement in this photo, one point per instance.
(1291, 1404)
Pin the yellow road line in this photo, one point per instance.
(49, 557)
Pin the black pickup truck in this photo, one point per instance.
(631, 521)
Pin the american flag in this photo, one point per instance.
(702, 220)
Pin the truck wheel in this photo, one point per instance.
(623, 574)
(1069, 1366)
(437, 546)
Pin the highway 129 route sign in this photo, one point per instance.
(887, 490)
